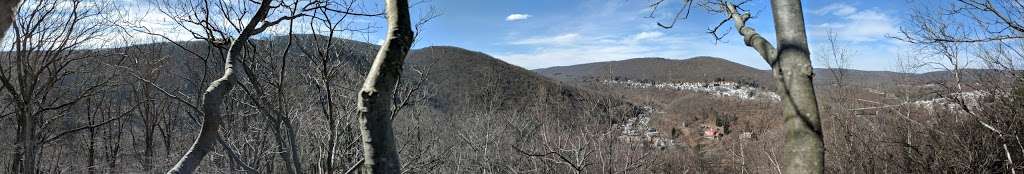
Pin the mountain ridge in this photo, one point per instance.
(696, 69)
(706, 68)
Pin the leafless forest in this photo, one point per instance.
(287, 86)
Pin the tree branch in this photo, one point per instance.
(55, 137)
(750, 37)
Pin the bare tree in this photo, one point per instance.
(327, 56)
(836, 58)
(269, 98)
(375, 99)
(148, 61)
(946, 32)
(215, 94)
(41, 61)
(791, 66)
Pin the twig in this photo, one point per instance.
(234, 155)
(354, 167)
(772, 160)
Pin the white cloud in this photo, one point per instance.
(647, 35)
(855, 25)
(870, 23)
(144, 24)
(517, 17)
(574, 48)
(563, 39)
(610, 31)
(838, 9)
(863, 31)
(587, 37)
(577, 39)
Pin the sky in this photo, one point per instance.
(545, 33)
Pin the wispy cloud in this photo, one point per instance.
(517, 17)
(860, 30)
(646, 35)
(562, 39)
(576, 48)
(854, 24)
(838, 9)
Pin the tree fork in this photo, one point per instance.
(803, 150)
(214, 95)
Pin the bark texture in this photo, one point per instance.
(213, 98)
(26, 154)
(8, 12)
(24, 157)
(803, 151)
(375, 98)
(215, 94)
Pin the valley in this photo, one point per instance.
(468, 86)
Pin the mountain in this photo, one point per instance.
(464, 81)
(458, 81)
(697, 69)
(705, 69)
(452, 80)
(825, 77)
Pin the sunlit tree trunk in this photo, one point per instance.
(804, 149)
(213, 98)
(215, 94)
(375, 98)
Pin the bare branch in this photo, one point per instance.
(58, 135)
(750, 37)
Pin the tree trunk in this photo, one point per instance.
(293, 146)
(8, 13)
(803, 151)
(375, 98)
(147, 153)
(275, 125)
(91, 164)
(215, 94)
(25, 157)
(114, 147)
(277, 120)
(212, 100)
(149, 120)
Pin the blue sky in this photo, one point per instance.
(544, 33)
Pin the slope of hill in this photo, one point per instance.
(705, 69)
(463, 81)
(825, 77)
(454, 80)
(460, 81)
(697, 69)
